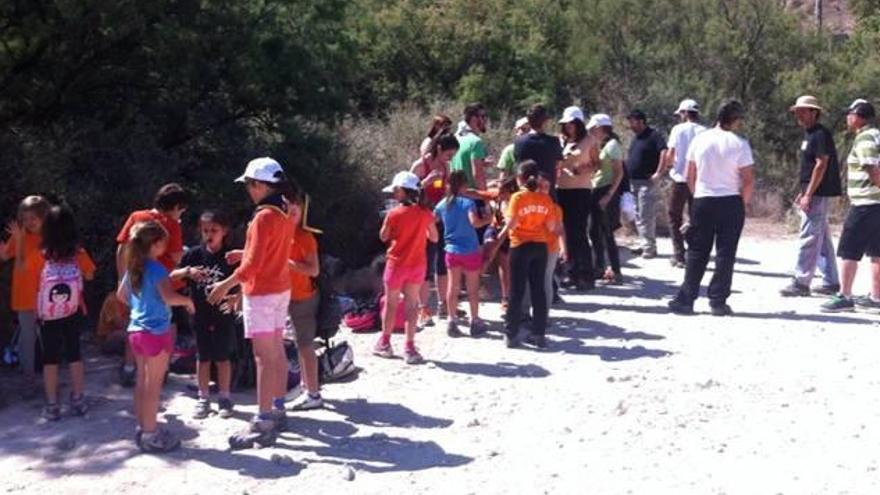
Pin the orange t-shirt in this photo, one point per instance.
(303, 245)
(175, 238)
(531, 210)
(408, 236)
(26, 279)
(264, 265)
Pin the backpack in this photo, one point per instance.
(364, 317)
(336, 362)
(329, 315)
(61, 286)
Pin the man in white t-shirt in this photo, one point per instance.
(675, 161)
(720, 175)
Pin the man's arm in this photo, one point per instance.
(815, 179)
(747, 174)
(478, 168)
(874, 174)
(692, 176)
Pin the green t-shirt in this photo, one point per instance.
(507, 162)
(865, 153)
(610, 153)
(470, 147)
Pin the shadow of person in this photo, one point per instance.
(245, 464)
(608, 353)
(497, 370)
(362, 412)
(591, 329)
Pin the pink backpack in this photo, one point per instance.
(61, 286)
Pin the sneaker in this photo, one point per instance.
(279, 417)
(51, 412)
(307, 402)
(721, 310)
(452, 329)
(203, 409)
(442, 311)
(512, 342)
(838, 304)
(826, 290)
(680, 308)
(225, 406)
(127, 376)
(425, 318)
(477, 328)
(637, 251)
(867, 304)
(538, 341)
(412, 355)
(259, 432)
(78, 406)
(794, 289)
(158, 442)
(293, 393)
(383, 349)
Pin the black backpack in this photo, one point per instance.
(329, 315)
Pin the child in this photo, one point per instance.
(60, 305)
(304, 299)
(264, 276)
(24, 245)
(459, 217)
(204, 266)
(146, 289)
(407, 229)
(496, 246)
(169, 204)
(531, 217)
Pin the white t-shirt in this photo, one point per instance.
(680, 138)
(719, 155)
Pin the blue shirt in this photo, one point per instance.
(148, 310)
(458, 233)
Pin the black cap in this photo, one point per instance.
(638, 115)
(863, 109)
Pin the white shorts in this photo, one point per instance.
(265, 315)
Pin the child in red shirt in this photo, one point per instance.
(407, 230)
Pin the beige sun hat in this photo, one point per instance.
(806, 102)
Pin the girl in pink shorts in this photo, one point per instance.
(407, 230)
(146, 289)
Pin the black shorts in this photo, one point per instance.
(861, 233)
(60, 339)
(215, 341)
(491, 235)
(436, 258)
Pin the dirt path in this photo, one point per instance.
(628, 399)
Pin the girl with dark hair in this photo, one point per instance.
(604, 207)
(496, 245)
(531, 221)
(460, 219)
(59, 307)
(441, 125)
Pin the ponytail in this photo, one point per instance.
(527, 174)
(141, 239)
(454, 183)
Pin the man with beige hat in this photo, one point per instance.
(819, 183)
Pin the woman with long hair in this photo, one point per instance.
(441, 125)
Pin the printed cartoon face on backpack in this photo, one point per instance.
(60, 291)
(59, 294)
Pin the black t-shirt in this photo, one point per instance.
(818, 141)
(644, 154)
(544, 149)
(207, 315)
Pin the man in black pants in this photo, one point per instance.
(721, 176)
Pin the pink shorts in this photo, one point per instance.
(396, 277)
(265, 315)
(468, 262)
(144, 343)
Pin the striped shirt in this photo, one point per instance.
(865, 153)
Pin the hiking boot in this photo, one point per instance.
(158, 442)
(203, 409)
(721, 310)
(477, 328)
(51, 412)
(425, 319)
(680, 308)
(127, 377)
(538, 341)
(838, 304)
(412, 355)
(78, 406)
(794, 289)
(259, 432)
(225, 406)
(383, 349)
(308, 402)
(826, 290)
(452, 329)
(867, 304)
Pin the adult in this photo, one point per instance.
(675, 161)
(860, 230)
(537, 145)
(472, 151)
(721, 177)
(507, 161)
(605, 203)
(441, 125)
(642, 161)
(819, 183)
(573, 191)
(432, 169)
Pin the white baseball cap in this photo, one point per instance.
(599, 119)
(263, 169)
(688, 105)
(404, 180)
(571, 114)
(522, 121)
